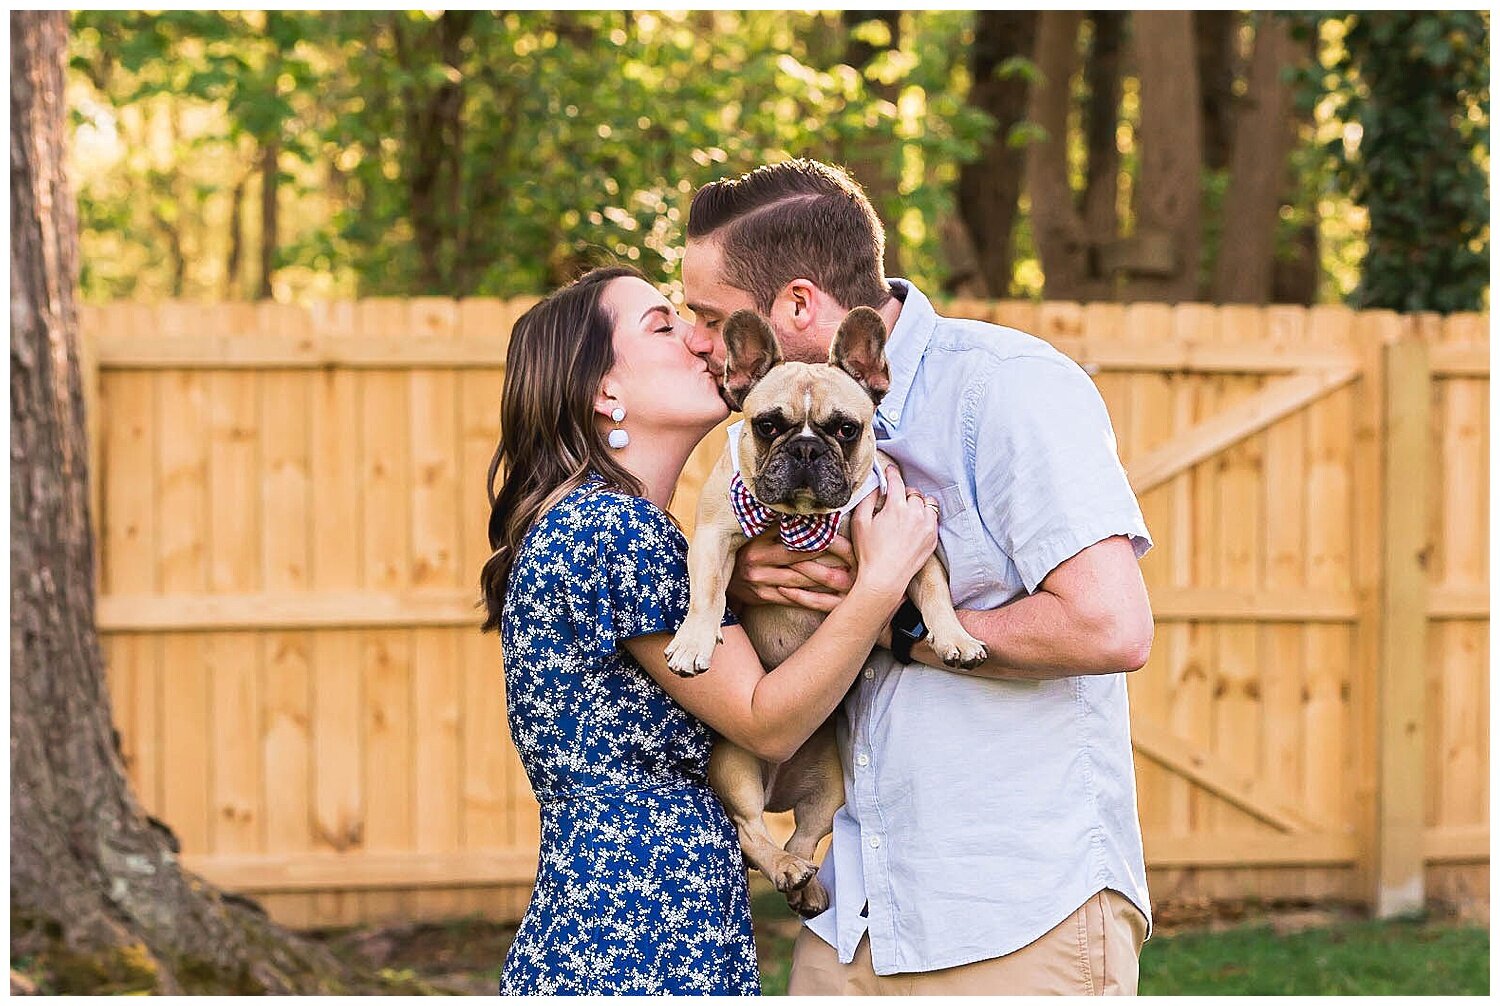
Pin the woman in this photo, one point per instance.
(640, 887)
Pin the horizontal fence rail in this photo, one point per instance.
(291, 510)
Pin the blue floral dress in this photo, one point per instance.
(641, 885)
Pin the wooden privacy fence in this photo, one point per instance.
(291, 510)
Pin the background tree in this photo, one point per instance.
(989, 187)
(98, 900)
(1412, 88)
(459, 153)
(871, 35)
(1163, 261)
(1263, 134)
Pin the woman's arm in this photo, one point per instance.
(771, 715)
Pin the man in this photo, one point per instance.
(989, 841)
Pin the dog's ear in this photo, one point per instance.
(750, 351)
(859, 351)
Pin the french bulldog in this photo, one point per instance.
(806, 445)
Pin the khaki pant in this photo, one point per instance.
(1094, 951)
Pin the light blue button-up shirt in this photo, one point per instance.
(979, 813)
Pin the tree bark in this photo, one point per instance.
(1169, 193)
(270, 178)
(1101, 121)
(98, 900)
(876, 166)
(433, 143)
(236, 238)
(989, 189)
(1296, 272)
(1061, 239)
(1263, 133)
(1214, 33)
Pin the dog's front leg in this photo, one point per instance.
(949, 640)
(710, 564)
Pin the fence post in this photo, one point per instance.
(1401, 673)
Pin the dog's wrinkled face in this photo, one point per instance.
(808, 439)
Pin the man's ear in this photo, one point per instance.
(750, 351)
(859, 351)
(796, 307)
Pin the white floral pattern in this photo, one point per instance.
(641, 885)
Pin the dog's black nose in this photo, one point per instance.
(806, 450)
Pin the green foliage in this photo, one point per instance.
(465, 152)
(490, 153)
(1412, 91)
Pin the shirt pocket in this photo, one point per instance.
(963, 546)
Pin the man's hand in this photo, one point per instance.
(767, 572)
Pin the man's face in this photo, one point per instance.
(710, 299)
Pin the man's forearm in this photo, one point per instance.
(1039, 637)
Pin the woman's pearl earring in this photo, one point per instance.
(618, 438)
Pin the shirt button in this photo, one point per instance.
(874, 841)
(862, 760)
(869, 674)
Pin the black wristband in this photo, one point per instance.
(907, 629)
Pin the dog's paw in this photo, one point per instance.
(808, 900)
(959, 649)
(791, 873)
(692, 649)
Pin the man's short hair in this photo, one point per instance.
(799, 219)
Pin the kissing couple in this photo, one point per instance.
(985, 837)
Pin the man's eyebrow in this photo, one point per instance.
(664, 309)
(700, 309)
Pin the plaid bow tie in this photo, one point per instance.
(799, 532)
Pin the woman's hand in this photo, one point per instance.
(892, 544)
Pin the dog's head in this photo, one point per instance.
(808, 439)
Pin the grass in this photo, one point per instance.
(1258, 954)
(1344, 958)
(776, 929)
(1352, 958)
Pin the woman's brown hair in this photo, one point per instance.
(559, 352)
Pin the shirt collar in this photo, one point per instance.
(905, 347)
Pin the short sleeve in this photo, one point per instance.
(640, 580)
(1048, 477)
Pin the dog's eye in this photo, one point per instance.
(847, 431)
(766, 428)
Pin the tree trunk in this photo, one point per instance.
(269, 183)
(989, 189)
(433, 140)
(1056, 224)
(170, 224)
(1170, 189)
(1214, 32)
(1263, 133)
(1296, 271)
(236, 238)
(1101, 121)
(98, 901)
(876, 166)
